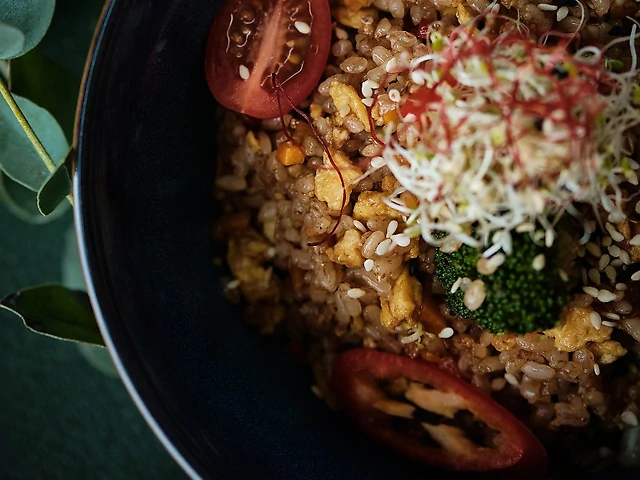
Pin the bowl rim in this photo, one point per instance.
(80, 229)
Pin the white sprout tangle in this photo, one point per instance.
(474, 174)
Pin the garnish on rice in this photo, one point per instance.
(507, 133)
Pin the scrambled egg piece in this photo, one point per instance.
(405, 297)
(327, 182)
(353, 19)
(576, 330)
(371, 204)
(346, 99)
(355, 5)
(348, 250)
(607, 352)
(245, 256)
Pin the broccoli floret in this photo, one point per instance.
(519, 298)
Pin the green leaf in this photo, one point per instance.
(55, 311)
(18, 157)
(99, 359)
(72, 274)
(22, 202)
(11, 40)
(69, 36)
(31, 17)
(54, 190)
(48, 84)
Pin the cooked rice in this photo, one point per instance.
(366, 286)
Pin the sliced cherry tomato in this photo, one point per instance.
(251, 40)
(419, 420)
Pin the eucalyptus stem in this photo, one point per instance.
(33, 138)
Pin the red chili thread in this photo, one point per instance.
(325, 147)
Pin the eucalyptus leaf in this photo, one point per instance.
(22, 202)
(46, 83)
(71, 267)
(11, 40)
(98, 358)
(69, 36)
(54, 190)
(55, 311)
(31, 17)
(18, 157)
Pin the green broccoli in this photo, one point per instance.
(519, 298)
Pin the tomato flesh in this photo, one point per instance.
(357, 375)
(253, 41)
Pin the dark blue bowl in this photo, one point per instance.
(225, 402)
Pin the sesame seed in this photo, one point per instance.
(233, 284)
(474, 295)
(547, 7)
(594, 249)
(549, 237)
(637, 208)
(606, 241)
(606, 296)
(401, 239)
(356, 293)
(636, 276)
(590, 226)
(384, 247)
(611, 315)
(271, 252)
(394, 95)
(359, 225)
(563, 275)
(538, 262)
(539, 235)
(368, 265)
(614, 250)
(244, 72)
(302, 27)
(596, 369)
(621, 287)
(391, 228)
(624, 256)
(446, 332)
(603, 262)
(456, 285)
(583, 274)
(616, 235)
(511, 378)
(562, 13)
(594, 276)
(629, 418)
(616, 262)
(635, 241)
(596, 321)
(607, 323)
(591, 291)
(610, 271)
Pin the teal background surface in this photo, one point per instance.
(60, 418)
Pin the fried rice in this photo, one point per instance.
(370, 286)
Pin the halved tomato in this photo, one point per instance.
(253, 41)
(421, 411)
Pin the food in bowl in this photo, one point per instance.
(437, 202)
